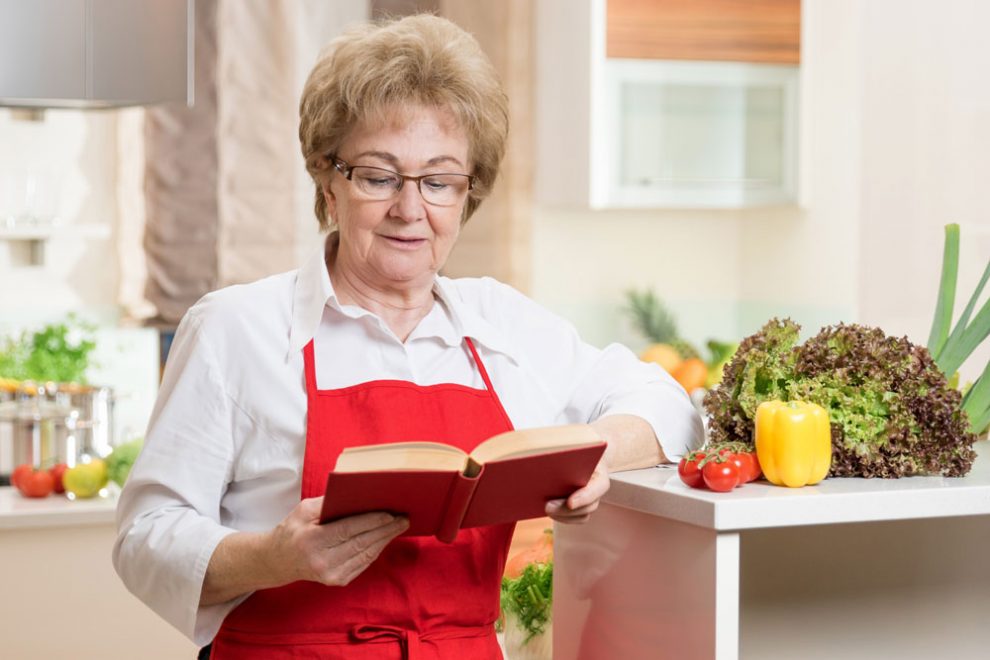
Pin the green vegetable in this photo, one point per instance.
(721, 351)
(529, 598)
(952, 350)
(892, 411)
(946, 291)
(58, 352)
(121, 459)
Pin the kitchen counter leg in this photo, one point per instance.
(634, 586)
(726, 581)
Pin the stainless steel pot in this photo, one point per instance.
(36, 432)
(94, 427)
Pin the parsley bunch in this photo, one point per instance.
(529, 598)
(57, 352)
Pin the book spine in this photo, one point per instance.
(458, 499)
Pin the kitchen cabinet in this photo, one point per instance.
(850, 568)
(642, 132)
(62, 597)
(95, 53)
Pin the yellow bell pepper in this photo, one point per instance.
(793, 442)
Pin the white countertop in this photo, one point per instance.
(19, 512)
(659, 491)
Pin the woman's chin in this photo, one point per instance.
(407, 272)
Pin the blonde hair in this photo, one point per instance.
(375, 69)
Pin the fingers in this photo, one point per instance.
(345, 561)
(559, 511)
(365, 549)
(343, 530)
(581, 503)
(596, 488)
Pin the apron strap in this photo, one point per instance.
(309, 361)
(410, 639)
(488, 382)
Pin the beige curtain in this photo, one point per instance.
(181, 163)
(496, 241)
(222, 178)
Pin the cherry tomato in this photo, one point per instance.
(57, 471)
(37, 483)
(746, 464)
(720, 475)
(19, 473)
(688, 470)
(749, 466)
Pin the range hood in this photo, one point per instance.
(95, 53)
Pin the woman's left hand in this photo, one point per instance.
(582, 503)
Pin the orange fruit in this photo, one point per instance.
(663, 354)
(691, 374)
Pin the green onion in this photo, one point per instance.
(965, 338)
(976, 403)
(950, 351)
(946, 291)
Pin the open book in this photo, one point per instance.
(442, 489)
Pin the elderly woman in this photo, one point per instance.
(402, 125)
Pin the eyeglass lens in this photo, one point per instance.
(437, 189)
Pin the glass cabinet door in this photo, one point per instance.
(700, 134)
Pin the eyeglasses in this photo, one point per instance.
(376, 183)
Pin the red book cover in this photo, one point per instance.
(439, 503)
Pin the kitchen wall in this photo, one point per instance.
(584, 261)
(895, 142)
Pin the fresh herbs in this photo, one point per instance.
(950, 350)
(892, 411)
(58, 352)
(529, 597)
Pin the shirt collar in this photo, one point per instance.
(314, 291)
(469, 323)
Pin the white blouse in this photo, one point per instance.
(225, 443)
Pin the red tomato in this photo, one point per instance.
(19, 473)
(720, 475)
(688, 470)
(746, 464)
(37, 483)
(57, 471)
(749, 469)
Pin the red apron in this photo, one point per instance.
(420, 598)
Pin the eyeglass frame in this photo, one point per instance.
(348, 169)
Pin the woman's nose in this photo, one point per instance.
(408, 204)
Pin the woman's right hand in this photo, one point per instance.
(300, 548)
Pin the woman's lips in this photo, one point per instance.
(404, 243)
